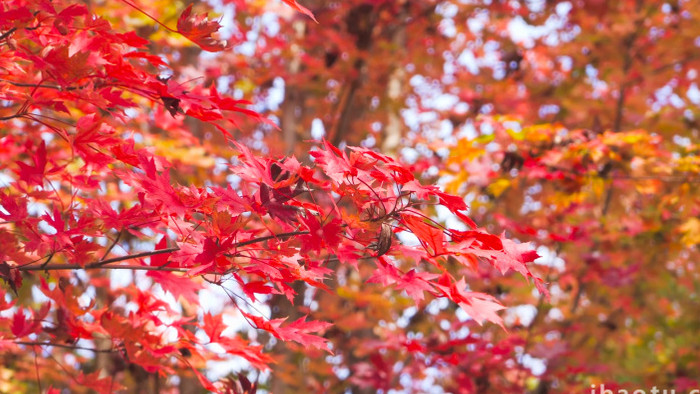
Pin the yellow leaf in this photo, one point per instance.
(691, 232)
(518, 136)
(497, 188)
(457, 181)
(484, 138)
(465, 150)
(598, 186)
(245, 85)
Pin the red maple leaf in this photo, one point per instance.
(199, 29)
(297, 331)
(454, 203)
(213, 326)
(335, 162)
(416, 284)
(34, 175)
(294, 4)
(19, 327)
(431, 238)
(482, 307)
(478, 306)
(178, 286)
(321, 235)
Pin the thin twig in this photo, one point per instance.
(36, 368)
(148, 15)
(119, 235)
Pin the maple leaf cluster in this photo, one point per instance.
(85, 195)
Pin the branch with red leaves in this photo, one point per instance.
(88, 155)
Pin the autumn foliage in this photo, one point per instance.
(359, 195)
(90, 189)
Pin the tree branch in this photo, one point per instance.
(104, 263)
(32, 85)
(7, 33)
(72, 347)
(101, 263)
(267, 238)
(18, 115)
